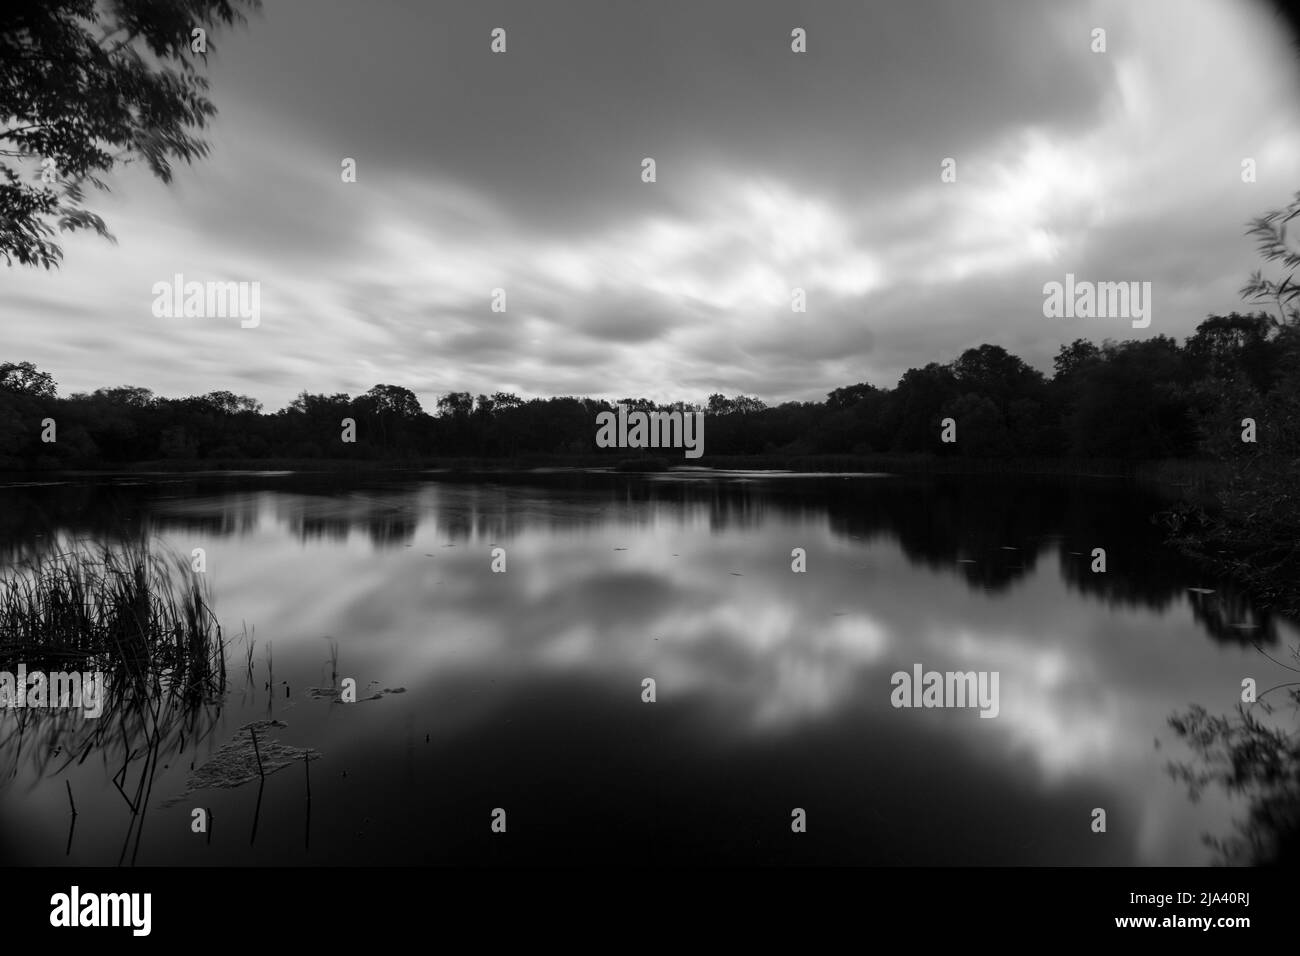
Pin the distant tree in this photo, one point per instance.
(992, 371)
(1073, 357)
(320, 406)
(393, 400)
(130, 395)
(719, 404)
(747, 404)
(389, 411)
(921, 394)
(982, 430)
(850, 395)
(1132, 403)
(26, 379)
(1227, 345)
(228, 403)
(84, 85)
(455, 405)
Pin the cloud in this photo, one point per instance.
(818, 171)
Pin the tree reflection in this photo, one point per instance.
(1254, 755)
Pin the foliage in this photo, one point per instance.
(1137, 400)
(84, 86)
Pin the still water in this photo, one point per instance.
(523, 690)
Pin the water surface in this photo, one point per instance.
(522, 690)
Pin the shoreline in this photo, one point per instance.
(1177, 472)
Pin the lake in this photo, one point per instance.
(522, 690)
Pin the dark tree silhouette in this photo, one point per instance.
(85, 85)
(26, 379)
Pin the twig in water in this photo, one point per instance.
(252, 643)
(257, 752)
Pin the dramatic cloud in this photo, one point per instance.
(775, 170)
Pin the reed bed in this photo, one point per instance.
(133, 612)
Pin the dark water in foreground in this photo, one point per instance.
(522, 690)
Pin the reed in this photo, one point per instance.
(133, 612)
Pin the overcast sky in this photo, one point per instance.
(775, 170)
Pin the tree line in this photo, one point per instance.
(1139, 399)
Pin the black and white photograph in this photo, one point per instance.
(848, 438)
